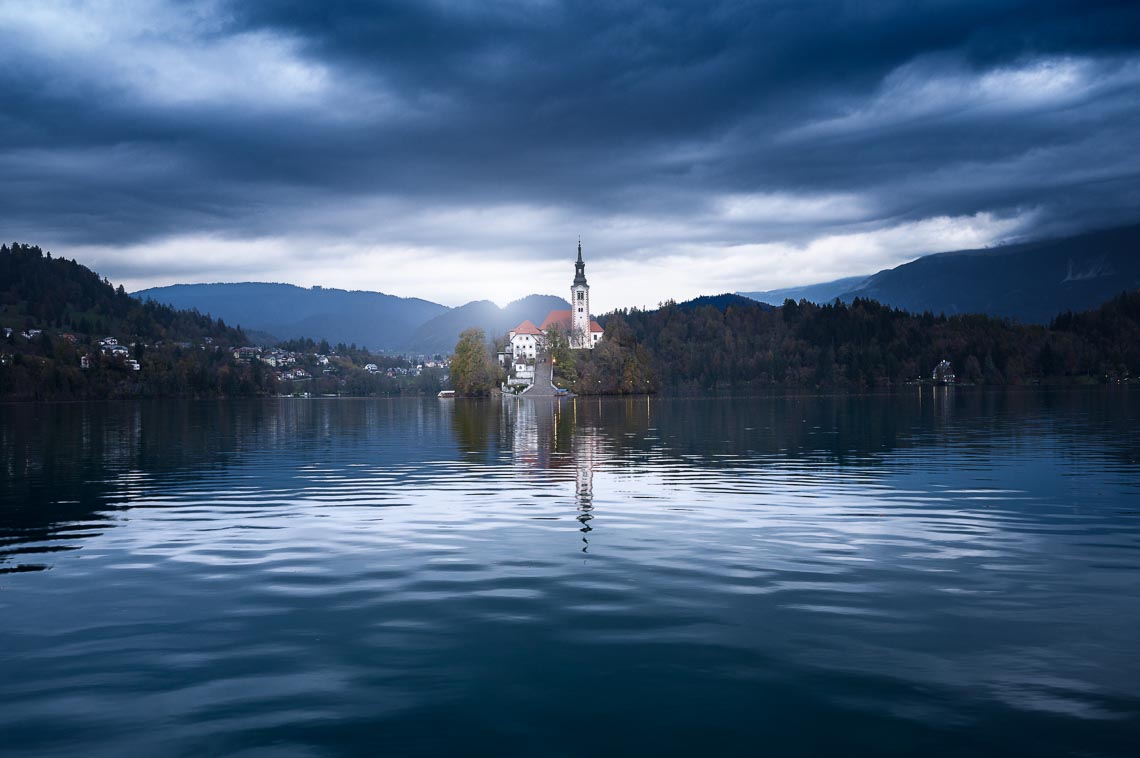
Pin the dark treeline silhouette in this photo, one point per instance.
(861, 345)
(185, 353)
(39, 291)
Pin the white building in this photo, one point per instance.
(525, 341)
(581, 333)
(575, 322)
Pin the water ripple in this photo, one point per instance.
(424, 577)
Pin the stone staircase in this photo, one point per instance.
(543, 380)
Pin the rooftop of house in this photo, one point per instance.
(528, 327)
(557, 318)
(563, 320)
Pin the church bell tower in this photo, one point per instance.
(580, 305)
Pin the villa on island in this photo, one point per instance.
(526, 340)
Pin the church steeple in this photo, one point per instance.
(581, 333)
(579, 267)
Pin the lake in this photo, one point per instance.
(940, 572)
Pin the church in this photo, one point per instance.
(526, 339)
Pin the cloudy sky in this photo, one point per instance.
(456, 150)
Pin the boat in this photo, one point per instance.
(446, 393)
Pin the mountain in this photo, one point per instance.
(721, 302)
(59, 318)
(40, 292)
(382, 322)
(1031, 281)
(440, 334)
(815, 293)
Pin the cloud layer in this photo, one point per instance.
(451, 151)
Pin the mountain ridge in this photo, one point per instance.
(1030, 281)
(376, 319)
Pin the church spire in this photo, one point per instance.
(579, 267)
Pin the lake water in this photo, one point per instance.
(943, 572)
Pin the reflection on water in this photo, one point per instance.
(946, 571)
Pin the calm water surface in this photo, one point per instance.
(939, 573)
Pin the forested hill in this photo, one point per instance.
(68, 334)
(38, 291)
(856, 346)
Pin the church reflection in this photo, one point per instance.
(585, 449)
(558, 439)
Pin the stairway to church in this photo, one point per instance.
(543, 380)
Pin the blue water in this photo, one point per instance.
(940, 572)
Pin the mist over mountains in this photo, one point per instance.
(439, 335)
(824, 292)
(373, 319)
(285, 311)
(1031, 282)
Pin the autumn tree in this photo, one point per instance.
(472, 371)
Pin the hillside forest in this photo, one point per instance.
(851, 347)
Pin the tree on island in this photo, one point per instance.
(472, 372)
(556, 345)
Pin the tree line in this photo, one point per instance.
(727, 342)
(856, 346)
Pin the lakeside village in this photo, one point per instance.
(299, 368)
(303, 367)
(295, 366)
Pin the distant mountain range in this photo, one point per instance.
(825, 292)
(372, 319)
(1031, 282)
(270, 312)
(440, 334)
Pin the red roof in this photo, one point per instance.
(563, 320)
(527, 327)
(560, 319)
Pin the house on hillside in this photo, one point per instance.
(943, 373)
(525, 340)
(116, 350)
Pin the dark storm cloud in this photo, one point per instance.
(251, 119)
